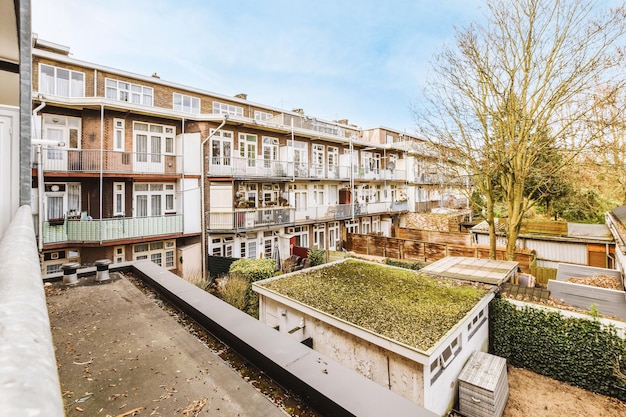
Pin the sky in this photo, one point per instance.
(362, 60)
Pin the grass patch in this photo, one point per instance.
(403, 305)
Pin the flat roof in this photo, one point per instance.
(483, 270)
(405, 306)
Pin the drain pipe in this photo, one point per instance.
(39, 180)
(202, 198)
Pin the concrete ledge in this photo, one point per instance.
(328, 386)
(29, 381)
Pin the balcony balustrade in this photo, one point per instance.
(107, 230)
(94, 160)
(266, 168)
(248, 219)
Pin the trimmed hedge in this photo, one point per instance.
(415, 266)
(253, 269)
(577, 351)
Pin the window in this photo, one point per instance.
(223, 108)
(65, 130)
(318, 195)
(221, 147)
(157, 252)
(118, 134)
(270, 242)
(476, 323)
(301, 234)
(61, 200)
(261, 115)
(270, 151)
(319, 236)
(61, 81)
(154, 199)
(352, 226)
(119, 254)
(129, 92)
(222, 246)
(149, 142)
(247, 148)
(186, 103)
(333, 156)
(442, 361)
(118, 198)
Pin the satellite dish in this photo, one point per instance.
(391, 166)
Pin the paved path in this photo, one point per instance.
(117, 351)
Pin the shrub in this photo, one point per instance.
(415, 266)
(316, 256)
(253, 269)
(234, 290)
(581, 352)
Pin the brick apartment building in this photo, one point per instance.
(125, 158)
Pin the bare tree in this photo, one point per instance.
(525, 81)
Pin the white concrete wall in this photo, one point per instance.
(191, 205)
(442, 393)
(189, 145)
(389, 369)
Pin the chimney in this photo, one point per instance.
(343, 122)
(299, 111)
(242, 96)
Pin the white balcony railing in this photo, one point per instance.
(111, 229)
(265, 168)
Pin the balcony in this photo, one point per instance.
(248, 219)
(94, 161)
(239, 167)
(328, 212)
(108, 230)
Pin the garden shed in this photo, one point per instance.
(402, 329)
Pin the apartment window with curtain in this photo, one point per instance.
(154, 199)
(129, 92)
(61, 200)
(187, 104)
(61, 82)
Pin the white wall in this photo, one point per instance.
(9, 164)
(189, 145)
(191, 205)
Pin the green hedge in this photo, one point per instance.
(415, 266)
(253, 269)
(577, 351)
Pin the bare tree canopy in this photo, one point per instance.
(526, 82)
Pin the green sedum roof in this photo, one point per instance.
(402, 305)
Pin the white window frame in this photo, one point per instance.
(221, 138)
(225, 108)
(119, 254)
(319, 236)
(247, 147)
(185, 103)
(261, 115)
(119, 196)
(160, 250)
(164, 190)
(119, 138)
(70, 194)
(128, 92)
(74, 89)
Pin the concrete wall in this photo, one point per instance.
(29, 382)
(401, 375)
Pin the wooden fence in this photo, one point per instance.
(423, 251)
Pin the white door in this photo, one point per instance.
(221, 152)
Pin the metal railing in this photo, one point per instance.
(94, 160)
(29, 381)
(105, 230)
(266, 168)
(250, 218)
